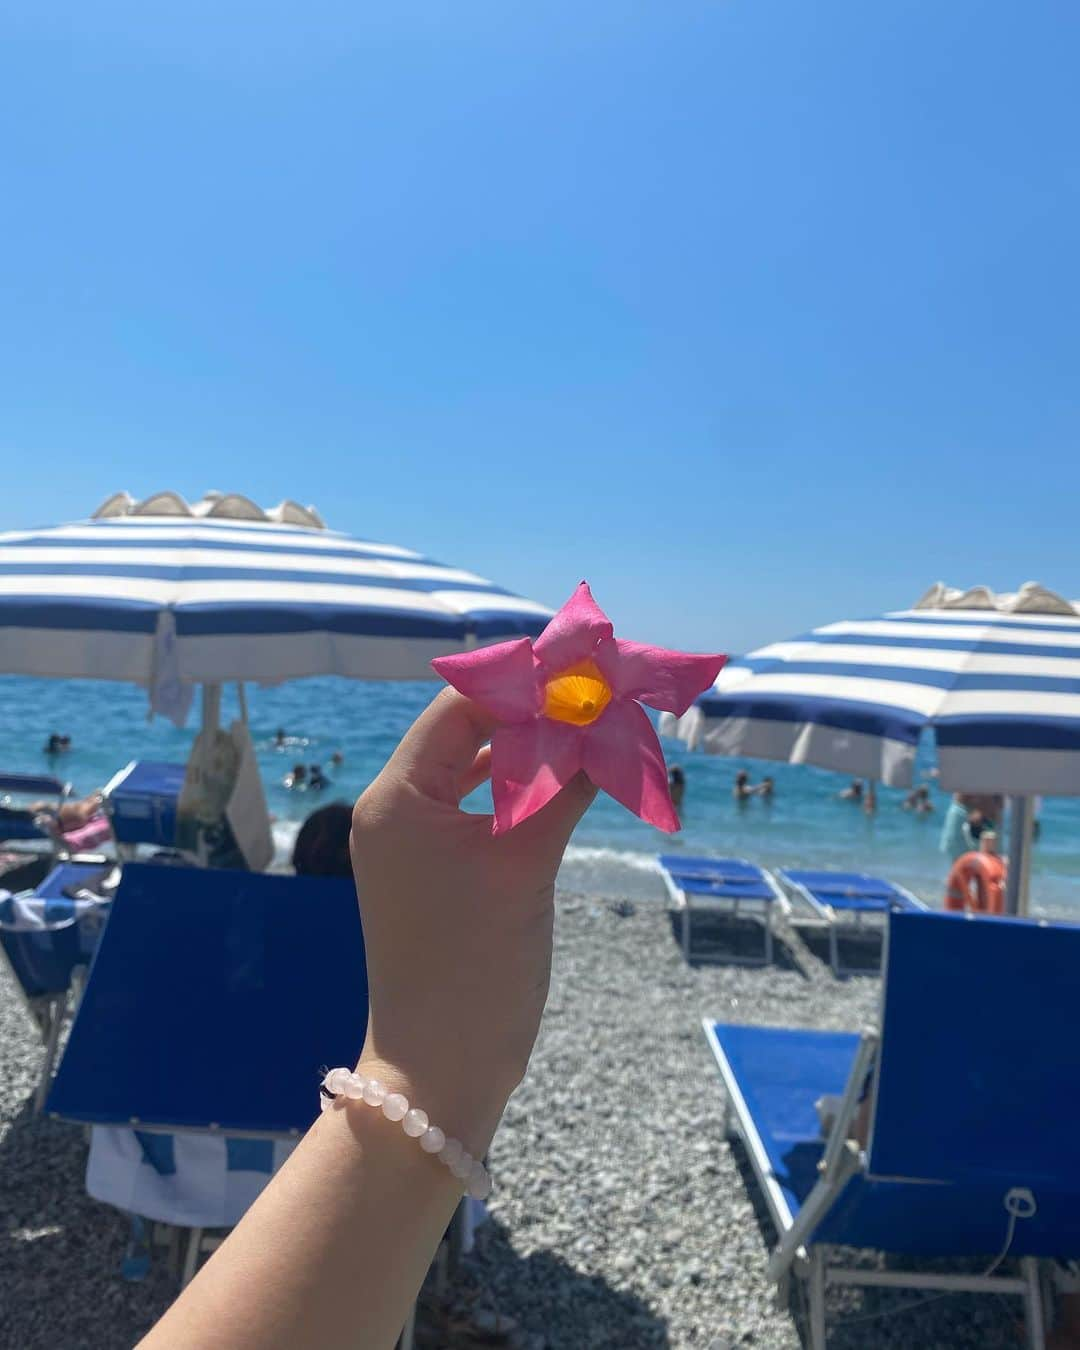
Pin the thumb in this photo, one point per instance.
(548, 830)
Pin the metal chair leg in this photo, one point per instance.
(52, 1042)
(686, 932)
(817, 1301)
(1033, 1304)
(191, 1259)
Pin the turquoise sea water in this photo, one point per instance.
(612, 852)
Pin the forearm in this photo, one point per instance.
(457, 929)
(333, 1251)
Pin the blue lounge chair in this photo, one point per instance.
(141, 801)
(48, 937)
(214, 1003)
(975, 1092)
(730, 886)
(846, 903)
(16, 823)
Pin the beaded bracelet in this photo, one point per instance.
(340, 1083)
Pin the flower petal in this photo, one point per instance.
(623, 756)
(666, 680)
(573, 633)
(530, 762)
(501, 679)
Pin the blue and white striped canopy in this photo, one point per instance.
(999, 686)
(173, 600)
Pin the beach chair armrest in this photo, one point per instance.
(815, 1207)
(841, 1160)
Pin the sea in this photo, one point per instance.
(612, 854)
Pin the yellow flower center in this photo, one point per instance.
(578, 695)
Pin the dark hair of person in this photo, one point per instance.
(322, 846)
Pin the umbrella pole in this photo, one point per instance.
(1021, 829)
(211, 707)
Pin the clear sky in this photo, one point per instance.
(757, 313)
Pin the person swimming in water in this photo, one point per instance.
(765, 789)
(317, 780)
(853, 792)
(741, 790)
(676, 784)
(279, 739)
(918, 800)
(297, 779)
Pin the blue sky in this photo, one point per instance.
(757, 314)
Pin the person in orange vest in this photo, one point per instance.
(977, 880)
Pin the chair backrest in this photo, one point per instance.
(978, 1077)
(214, 1000)
(142, 799)
(826, 885)
(32, 784)
(42, 957)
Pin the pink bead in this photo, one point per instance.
(395, 1107)
(432, 1140)
(479, 1183)
(463, 1166)
(450, 1152)
(374, 1092)
(415, 1123)
(354, 1087)
(335, 1081)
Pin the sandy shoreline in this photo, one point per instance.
(620, 1218)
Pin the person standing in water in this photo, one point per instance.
(676, 785)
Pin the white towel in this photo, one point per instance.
(246, 810)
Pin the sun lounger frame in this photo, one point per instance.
(841, 1160)
(838, 922)
(814, 1262)
(685, 902)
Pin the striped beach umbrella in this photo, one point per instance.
(172, 595)
(996, 677)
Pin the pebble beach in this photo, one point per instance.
(621, 1216)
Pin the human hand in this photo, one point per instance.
(457, 923)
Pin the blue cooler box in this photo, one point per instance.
(142, 802)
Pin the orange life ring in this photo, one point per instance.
(977, 882)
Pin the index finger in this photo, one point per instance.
(439, 748)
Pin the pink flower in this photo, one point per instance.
(569, 702)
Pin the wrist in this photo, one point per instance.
(375, 1089)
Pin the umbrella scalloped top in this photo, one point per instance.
(212, 505)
